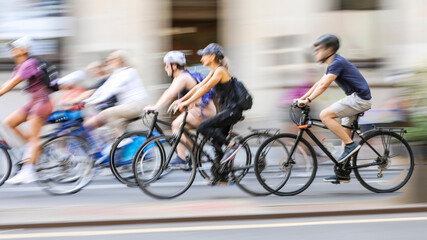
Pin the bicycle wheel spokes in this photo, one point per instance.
(281, 175)
(206, 156)
(5, 165)
(122, 153)
(243, 170)
(163, 181)
(388, 171)
(64, 166)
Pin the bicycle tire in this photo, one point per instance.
(5, 165)
(372, 177)
(122, 168)
(290, 179)
(64, 166)
(162, 182)
(205, 157)
(243, 173)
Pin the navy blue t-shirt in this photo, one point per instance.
(349, 78)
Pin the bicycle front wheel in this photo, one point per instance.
(384, 163)
(242, 169)
(122, 153)
(154, 175)
(5, 165)
(64, 166)
(283, 175)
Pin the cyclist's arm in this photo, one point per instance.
(196, 88)
(171, 93)
(9, 84)
(205, 86)
(79, 98)
(309, 91)
(322, 85)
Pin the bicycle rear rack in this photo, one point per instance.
(265, 130)
(398, 130)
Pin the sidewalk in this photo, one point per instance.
(203, 210)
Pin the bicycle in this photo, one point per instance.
(125, 147)
(72, 154)
(62, 165)
(383, 164)
(5, 162)
(153, 157)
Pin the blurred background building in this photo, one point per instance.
(268, 43)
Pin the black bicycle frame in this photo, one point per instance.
(318, 123)
(178, 137)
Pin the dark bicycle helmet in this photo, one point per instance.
(328, 40)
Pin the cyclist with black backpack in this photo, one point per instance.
(182, 82)
(232, 96)
(35, 112)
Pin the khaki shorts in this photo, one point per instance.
(116, 116)
(348, 107)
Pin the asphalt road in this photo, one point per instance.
(106, 189)
(386, 226)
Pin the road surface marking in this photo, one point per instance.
(203, 228)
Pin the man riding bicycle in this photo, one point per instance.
(349, 79)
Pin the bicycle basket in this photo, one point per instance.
(296, 115)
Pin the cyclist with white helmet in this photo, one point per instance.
(182, 82)
(35, 112)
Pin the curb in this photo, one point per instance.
(215, 218)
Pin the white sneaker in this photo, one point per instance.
(23, 177)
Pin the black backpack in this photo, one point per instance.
(245, 100)
(50, 74)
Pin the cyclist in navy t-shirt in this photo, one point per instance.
(356, 88)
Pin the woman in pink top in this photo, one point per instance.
(35, 112)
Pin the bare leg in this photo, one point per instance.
(14, 120)
(348, 131)
(328, 118)
(194, 118)
(36, 123)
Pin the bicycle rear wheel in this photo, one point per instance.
(122, 153)
(242, 169)
(384, 163)
(5, 165)
(205, 153)
(153, 174)
(64, 166)
(206, 156)
(280, 176)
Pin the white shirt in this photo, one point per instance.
(125, 83)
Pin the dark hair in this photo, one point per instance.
(181, 67)
(328, 40)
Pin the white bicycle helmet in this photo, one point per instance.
(176, 57)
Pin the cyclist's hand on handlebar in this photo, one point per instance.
(181, 107)
(172, 107)
(302, 103)
(150, 109)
